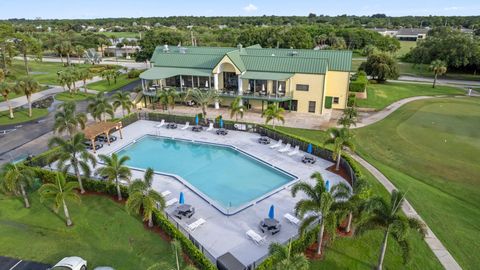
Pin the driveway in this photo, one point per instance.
(7, 263)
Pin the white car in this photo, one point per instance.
(70, 263)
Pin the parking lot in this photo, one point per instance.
(16, 264)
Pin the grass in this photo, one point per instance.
(21, 116)
(424, 71)
(103, 85)
(429, 148)
(66, 96)
(380, 96)
(362, 252)
(103, 234)
(405, 47)
(11, 96)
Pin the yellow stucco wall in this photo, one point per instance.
(225, 65)
(315, 92)
(337, 86)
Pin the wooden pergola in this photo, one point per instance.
(96, 129)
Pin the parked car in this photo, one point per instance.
(104, 268)
(71, 263)
(89, 145)
(103, 138)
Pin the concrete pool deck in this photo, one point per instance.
(221, 234)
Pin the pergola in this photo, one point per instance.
(93, 130)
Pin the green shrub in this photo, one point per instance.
(134, 73)
(352, 99)
(359, 82)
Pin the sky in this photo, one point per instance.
(85, 9)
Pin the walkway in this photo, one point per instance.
(442, 254)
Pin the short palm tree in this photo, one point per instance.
(99, 106)
(285, 260)
(349, 117)
(388, 217)
(340, 138)
(237, 108)
(115, 170)
(73, 155)
(67, 119)
(16, 180)
(79, 51)
(320, 203)
(122, 99)
(438, 67)
(85, 75)
(203, 99)
(273, 113)
(28, 86)
(167, 99)
(143, 198)
(60, 193)
(5, 90)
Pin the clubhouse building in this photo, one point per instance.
(306, 81)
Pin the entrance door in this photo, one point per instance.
(286, 105)
(230, 81)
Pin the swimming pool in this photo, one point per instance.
(226, 177)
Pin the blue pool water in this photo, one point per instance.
(228, 177)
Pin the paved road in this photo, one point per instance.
(7, 263)
(129, 64)
(460, 83)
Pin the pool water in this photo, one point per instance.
(229, 178)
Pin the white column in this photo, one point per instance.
(240, 88)
(215, 81)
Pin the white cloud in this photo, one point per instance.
(250, 8)
(453, 8)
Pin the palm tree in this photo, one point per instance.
(285, 260)
(5, 90)
(387, 217)
(16, 180)
(349, 117)
(79, 51)
(27, 45)
(122, 99)
(115, 170)
(203, 99)
(60, 192)
(85, 75)
(320, 203)
(272, 113)
(68, 50)
(74, 155)
(438, 67)
(99, 106)
(107, 75)
(237, 108)
(143, 197)
(339, 138)
(28, 86)
(68, 119)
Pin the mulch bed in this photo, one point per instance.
(341, 172)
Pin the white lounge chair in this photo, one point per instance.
(187, 125)
(256, 237)
(166, 193)
(278, 144)
(210, 127)
(171, 202)
(193, 226)
(285, 149)
(295, 151)
(161, 124)
(292, 219)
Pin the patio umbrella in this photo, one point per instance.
(182, 199)
(327, 185)
(206, 84)
(280, 88)
(221, 123)
(271, 212)
(263, 87)
(309, 148)
(196, 119)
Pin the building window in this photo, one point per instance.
(336, 100)
(311, 106)
(302, 87)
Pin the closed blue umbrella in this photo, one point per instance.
(182, 199)
(309, 148)
(327, 185)
(221, 123)
(271, 212)
(196, 119)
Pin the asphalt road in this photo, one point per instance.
(16, 264)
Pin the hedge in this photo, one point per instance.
(359, 83)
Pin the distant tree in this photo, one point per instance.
(272, 113)
(5, 90)
(439, 68)
(381, 67)
(27, 45)
(16, 180)
(79, 51)
(28, 86)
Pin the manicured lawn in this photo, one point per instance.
(382, 95)
(356, 64)
(103, 234)
(430, 148)
(405, 47)
(362, 252)
(424, 71)
(66, 96)
(21, 116)
(103, 85)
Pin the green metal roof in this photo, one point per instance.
(237, 60)
(276, 76)
(289, 64)
(157, 73)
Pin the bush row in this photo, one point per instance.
(359, 82)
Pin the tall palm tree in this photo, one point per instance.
(28, 86)
(68, 49)
(285, 260)
(79, 51)
(387, 217)
(320, 203)
(74, 155)
(123, 100)
(203, 99)
(438, 67)
(27, 45)
(85, 75)
(143, 198)
(60, 192)
(272, 113)
(16, 180)
(99, 106)
(237, 108)
(115, 170)
(5, 90)
(68, 119)
(339, 138)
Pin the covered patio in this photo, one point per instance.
(92, 131)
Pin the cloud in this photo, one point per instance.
(452, 8)
(250, 8)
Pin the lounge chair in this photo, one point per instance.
(285, 149)
(161, 124)
(210, 127)
(292, 219)
(295, 151)
(278, 144)
(193, 226)
(166, 193)
(171, 202)
(256, 237)
(187, 125)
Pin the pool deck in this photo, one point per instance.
(221, 234)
